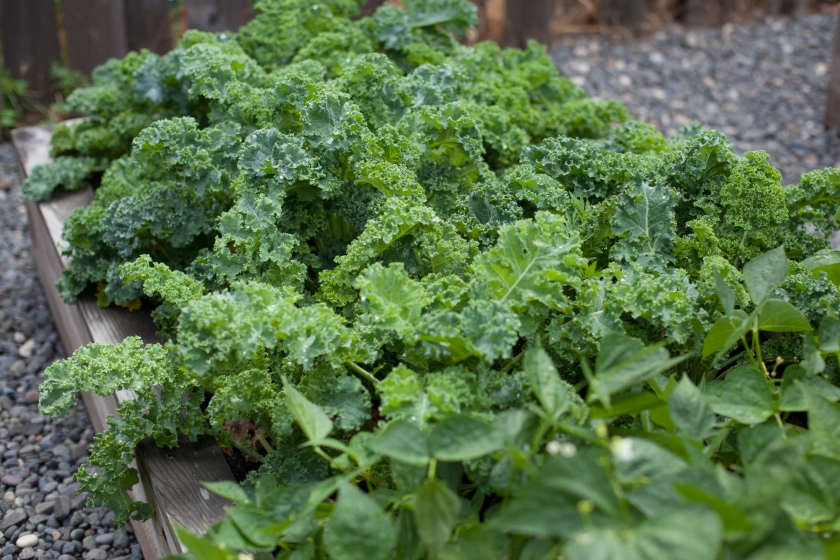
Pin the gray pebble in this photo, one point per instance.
(77, 534)
(120, 540)
(12, 518)
(105, 538)
(66, 557)
(26, 554)
(96, 554)
(89, 543)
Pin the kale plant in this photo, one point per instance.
(450, 305)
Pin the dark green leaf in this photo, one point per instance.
(436, 510)
(311, 419)
(689, 412)
(776, 315)
(404, 442)
(743, 396)
(765, 273)
(358, 528)
(463, 438)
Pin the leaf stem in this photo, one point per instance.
(363, 372)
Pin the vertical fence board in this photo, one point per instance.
(218, 15)
(30, 42)
(626, 13)
(371, 6)
(147, 25)
(528, 19)
(95, 32)
(832, 106)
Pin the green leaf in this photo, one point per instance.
(436, 510)
(463, 438)
(552, 392)
(725, 333)
(678, 535)
(765, 273)
(725, 293)
(202, 548)
(404, 442)
(358, 528)
(624, 362)
(644, 221)
(228, 489)
(743, 396)
(734, 519)
(776, 315)
(825, 261)
(631, 403)
(797, 383)
(311, 419)
(824, 425)
(689, 412)
(394, 299)
(829, 333)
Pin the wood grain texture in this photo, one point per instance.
(94, 31)
(624, 13)
(29, 35)
(170, 479)
(528, 19)
(218, 15)
(832, 105)
(147, 25)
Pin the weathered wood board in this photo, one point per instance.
(170, 478)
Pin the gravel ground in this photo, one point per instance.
(41, 514)
(763, 84)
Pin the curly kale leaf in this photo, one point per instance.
(66, 172)
(644, 223)
(815, 201)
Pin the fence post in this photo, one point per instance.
(218, 15)
(95, 31)
(832, 105)
(528, 19)
(625, 13)
(147, 25)
(371, 6)
(30, 42)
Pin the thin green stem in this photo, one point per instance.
(264, 441)
(363, 373)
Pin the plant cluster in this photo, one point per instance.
(451, 305)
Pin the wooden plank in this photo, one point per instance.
(371, 6)
(218, 15)
(147, 25)
(29, 35)
(624, 13)
(94, 31)
(832, 105)
(170, 478)
(528, 19)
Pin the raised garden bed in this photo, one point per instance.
(170, 478)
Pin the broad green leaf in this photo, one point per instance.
(464, 438)
(765, 273)
(734, 519)
(827, 262)
(311, 419)
(797, 382)
(255, 526)
(639, 460)
(823, 425)
(725, 293)
(358, 528)
(829, 333)
(631, 403)
(679, 535)
(725, 333)
(202, 548)
(743, 396)
(404, 442)
(552, 392)
(689, 412)
(776, 315)
(228, 489)
(436, 510)
(624, 362)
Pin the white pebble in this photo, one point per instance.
(27, 541)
